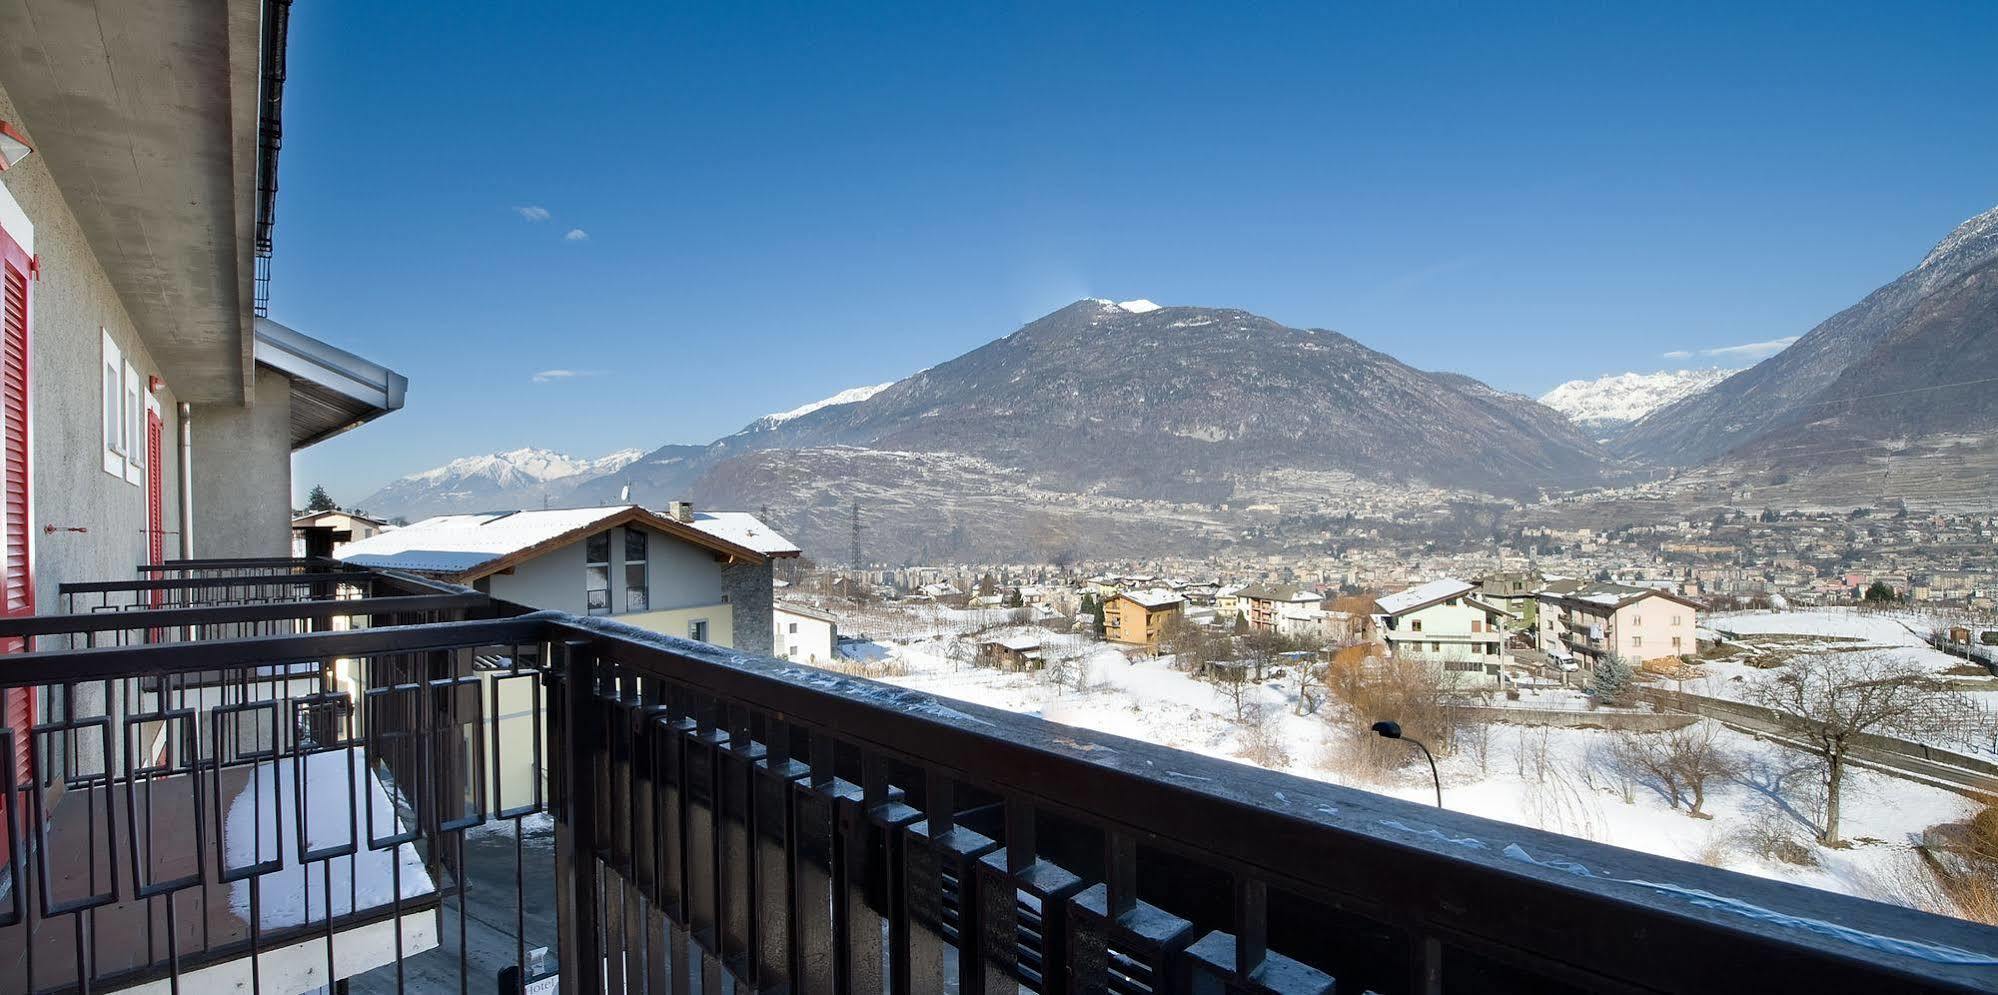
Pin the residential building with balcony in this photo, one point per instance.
(1445, 624)
(1266, 605)
(1138, 617)
(1635, 623)
(150, 408)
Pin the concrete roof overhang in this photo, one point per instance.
(147, 116)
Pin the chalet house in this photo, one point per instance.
(1636, 623)
(698, 575)
(1138, 617)
(1444, 623)
(804, 633)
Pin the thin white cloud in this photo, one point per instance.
(533, 212)
(1746, 350)
(576, 235)
(551, 376)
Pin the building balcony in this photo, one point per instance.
(470, 782)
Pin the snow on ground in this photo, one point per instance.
(1876, 628)
(1542, 777)
(1765, 639)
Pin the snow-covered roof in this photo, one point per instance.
(460, 544)
(1423, 594)
(745, 530)
(1153, 598)
(1018, 644)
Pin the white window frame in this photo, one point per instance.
(110, 377)
(135, 427)
(697, 629)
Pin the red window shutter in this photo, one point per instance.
(17, 581)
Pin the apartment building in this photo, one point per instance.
(1445, 623)
(1138, 617)
(1636, 623)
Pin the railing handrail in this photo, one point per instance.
(234, 580)
(224, 563)
(114, 662)
(1343, 844)
(1592, 914)
(172, 617)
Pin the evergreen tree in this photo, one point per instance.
(1612, 680)
(319, 500)
(1878, 593)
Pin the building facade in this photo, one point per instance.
(1444, 623)
(1137, 618)
(1635, 623)
(700, 576)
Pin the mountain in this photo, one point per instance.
(519, 478)
(1609, 403)
(1191, 413)
(1933, 321)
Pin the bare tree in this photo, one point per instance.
(1840, 696)
(1192, 645)
(1232, 677)
(1680, 763)
(1307, 677)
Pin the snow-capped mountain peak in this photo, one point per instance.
(516, 478)
(851, 395)
(1622, 398)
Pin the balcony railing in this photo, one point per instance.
(474, 783)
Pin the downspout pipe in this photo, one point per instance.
(186, 481)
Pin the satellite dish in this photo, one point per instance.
(624, 494)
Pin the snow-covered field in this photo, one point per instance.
(1547, 778)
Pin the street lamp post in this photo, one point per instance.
(1392, 730)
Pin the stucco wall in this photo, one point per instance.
(242, 474)
(68, 305)
(677, 574)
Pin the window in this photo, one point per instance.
(1415, 625)
(1477, 626)
(697, 630)
(636, 596)
(596, 574)
(1675, 620)
(135, 428)
(115, 425)
(1675, 642)
(794, 628)
(1637, 620)
(1636, 641)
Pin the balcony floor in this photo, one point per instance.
(214, 917)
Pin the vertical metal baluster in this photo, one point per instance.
(574, 744)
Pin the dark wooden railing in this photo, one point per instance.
(728, 822)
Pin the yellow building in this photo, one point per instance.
(1137, 617)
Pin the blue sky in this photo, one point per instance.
(706, 215)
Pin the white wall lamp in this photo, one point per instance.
(13, 147)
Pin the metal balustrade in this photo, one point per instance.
(669, 816)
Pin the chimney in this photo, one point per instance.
(680, 511)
